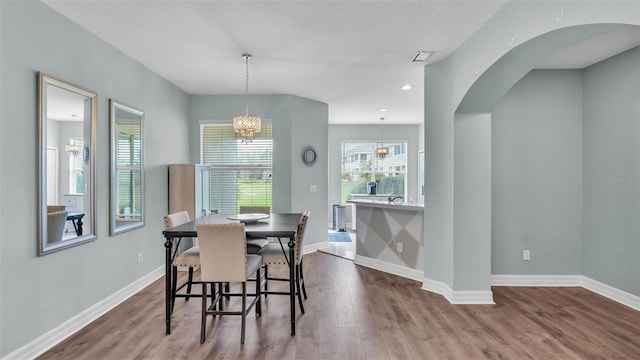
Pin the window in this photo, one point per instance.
(360, 165)
(129, 172)
(240, 172)
(76, 167)
(398, 149)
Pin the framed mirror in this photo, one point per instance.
(127, 167)
(421, 177)
(66, 164)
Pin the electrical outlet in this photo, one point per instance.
(140, 258)
(399, 247)
(526, 255)
(313, 188)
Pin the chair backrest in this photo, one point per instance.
(223, 252)
(302, 225)
(255, 209)
(55, 226)
(175, 219)
(55, 208)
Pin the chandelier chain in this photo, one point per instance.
(247, 57)
(246, 126)
(381, 132)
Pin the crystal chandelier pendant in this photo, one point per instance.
(382, 151)
(247, 126)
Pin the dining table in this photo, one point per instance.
(76, 220)
(277, 225)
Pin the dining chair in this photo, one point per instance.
(55, 208)
(55, 226)
(224, 258)
(187, 260)
(278, 254)
(254, 245)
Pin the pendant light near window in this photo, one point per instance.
(72, 149)
(382, 151)
(247, 126)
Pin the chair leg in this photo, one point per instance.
(212, 287)
(227, 288)
(266, 279)
(297, 280)
(220, 301)
(189, 282)
(203, 323)
(304, 290)
(258, 294)
(174, 286)
(244, 311)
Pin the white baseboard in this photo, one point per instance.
(55, 336)
(615, 294)
(394, 269)
(612, 293)
(476, 297)
(454, 297)
(472, 297)
(315, 247)
(536, 280)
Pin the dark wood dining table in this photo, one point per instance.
(283, 226)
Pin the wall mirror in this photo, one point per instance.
(127, 167)
(66, 164)
(421, 177)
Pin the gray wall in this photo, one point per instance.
(612, 171)
(340, 133)
(537, 175)
(39, 293)
(472, 202)
(566, 174)
(297, 122)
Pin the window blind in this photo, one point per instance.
(129, 171)
(240, 171)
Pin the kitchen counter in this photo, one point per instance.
(389, 236)
(386, 204)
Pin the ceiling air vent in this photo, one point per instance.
(421, 57)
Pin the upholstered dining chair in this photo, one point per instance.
(223, 259)
(55, 225)
(278, 254)
(254, 245)
(187, 260)
(55, 208)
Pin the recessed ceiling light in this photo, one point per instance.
(406, 87)
(421, 57)
(384, 109)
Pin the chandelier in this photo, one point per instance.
(247, 125)
(382, 151)
(72, 149)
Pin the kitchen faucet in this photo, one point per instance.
(393, 197)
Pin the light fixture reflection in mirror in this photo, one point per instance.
(66, 164)
(127, 168)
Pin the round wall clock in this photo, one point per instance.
(309, 155)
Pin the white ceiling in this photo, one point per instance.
(352, 55)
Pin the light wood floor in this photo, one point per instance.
(358, 313)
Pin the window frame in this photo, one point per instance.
(241, 168)
(378, 166)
